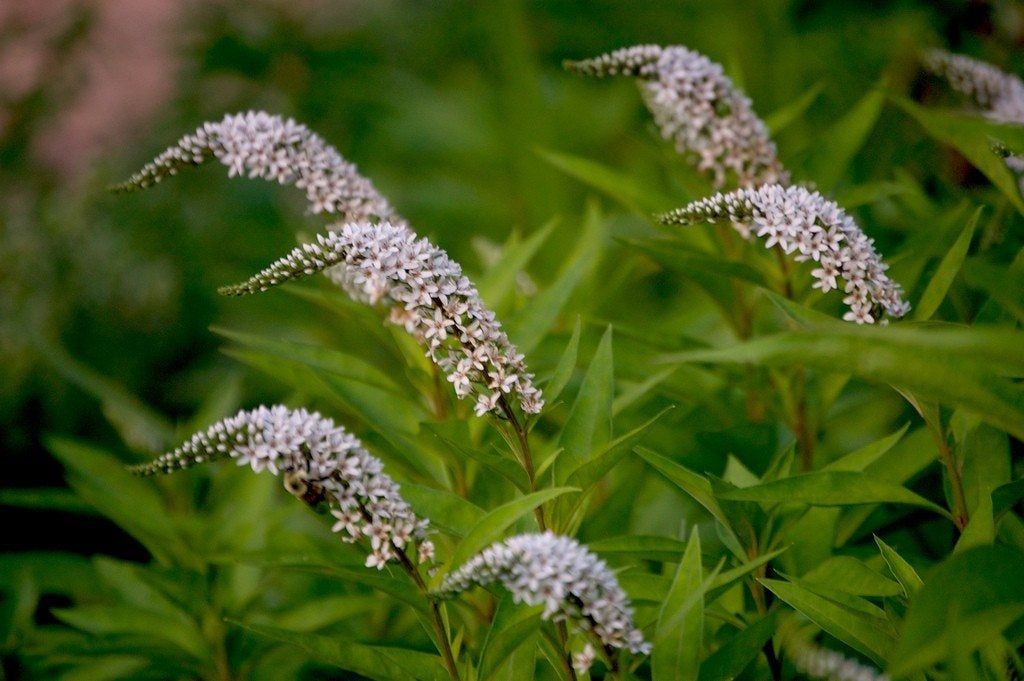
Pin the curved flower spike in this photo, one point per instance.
(693, 102)
(821, 663)
(806, 224)
(258, 144)
(427, 293)
(319, 461)
(570, 581)
(1000, 94)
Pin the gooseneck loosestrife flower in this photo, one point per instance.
(372, 253)
(696, 105)
(260, 145)
(571, 582)
(320, 462)
(999, 95)
(804, 224)
(427, 294)
(828, 665)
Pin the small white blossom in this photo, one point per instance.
(810, 227)
(828, 665)
(695, 104)
(583, 660)
(260, 145)
(571, 582)
(319, 461)
(387, 264)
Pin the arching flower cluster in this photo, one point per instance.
(320, 462)
(810, 227)
(695, 104)
(999, 95)
(260, 145)
(372, 254)
(427, 294)
(571, 582)
(821, 663)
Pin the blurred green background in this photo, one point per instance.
(450, 107)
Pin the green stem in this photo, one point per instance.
(960, 516)
(525, 457)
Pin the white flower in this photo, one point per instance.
(804, 223)
(387, 264)
(583, 660)
(828, 665)
(261, 145)
(570, 581)
(999, 95)
(319, 461)
(695, 104)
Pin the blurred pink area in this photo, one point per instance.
(103, 67)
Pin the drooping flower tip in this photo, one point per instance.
(807, 226)
(697, 106)
(821, 663)
(571, 582)
(260, 145)
(427, 294)
(1000, 93)
(319, 461)
(638, 60)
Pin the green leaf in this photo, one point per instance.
(947, 270)
(536, 319)
(849, 575)
(446, 510)
(904, 573)
(127, 619)
(566, 366)
(498, 283)
(727, 662)
(695, 486)
(514, 625)
(835, 150)
(139, 426)
(103, 482)
(589, 423)
(972, 136)
(503, 466)
(831, 488)
(981, 528)
(609, 456)
(619, 186)
(318, 357)
(374, 662)
(862, 632)
(970, 599)
(726, 580)
(646, 547)
(950, 365)
(45, 498)
(862, 458)
(678, 637)
(782, 118)
(1003, 285)
(490, 528)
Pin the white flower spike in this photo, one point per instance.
(571, 582)
(696, 105)
(809, 227)
(427, 294)
(320, 461)
(372, 254)
(258, 144)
